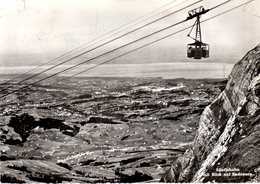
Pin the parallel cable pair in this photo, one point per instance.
(95, 41)
(127, 45)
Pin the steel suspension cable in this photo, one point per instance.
(55, 66)
(124, 53)
(155, 41)
(80, 48)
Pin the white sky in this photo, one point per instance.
(46, 28)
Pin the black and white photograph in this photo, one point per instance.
(130, 91)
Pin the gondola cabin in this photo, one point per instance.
(198, 50)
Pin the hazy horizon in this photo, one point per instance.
(36, 32)
(194, 70)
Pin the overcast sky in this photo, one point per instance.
(32, 30)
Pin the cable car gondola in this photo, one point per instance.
(198, 49)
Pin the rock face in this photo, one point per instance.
(226, 147)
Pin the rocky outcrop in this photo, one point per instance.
(21, 126)
(37, 171)
(226, 147)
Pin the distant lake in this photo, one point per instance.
(166, 70)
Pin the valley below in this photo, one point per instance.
(100, 129)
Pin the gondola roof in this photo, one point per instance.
(199, 43)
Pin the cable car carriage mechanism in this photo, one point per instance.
(198, 49)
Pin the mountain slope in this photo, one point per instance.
(227, 144)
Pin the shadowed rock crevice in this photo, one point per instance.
(10, 179)
(25, 123)
(133, 177)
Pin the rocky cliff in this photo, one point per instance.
(226, 147)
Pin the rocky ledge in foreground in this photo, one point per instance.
(227, 144)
